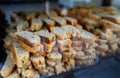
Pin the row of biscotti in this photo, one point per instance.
(57, 51)
(103, 22)
(35, 21)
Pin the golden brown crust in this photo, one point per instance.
(25, 41)
(28, 48)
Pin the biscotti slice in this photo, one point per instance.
(87, 36)
(54, 56)
(48, 47)
(50, 23)
(89, 22)
(8, 67)
(71, 21)
(59, 20)
(14, 74)
(21, 56)
(29, 41)
(64, 45)
(46, 20)
(47, 37)
(38, 62)
(35, 24)
(108, 24)
(71, 31)
(22, 25)
(59, 32)
(113, 18)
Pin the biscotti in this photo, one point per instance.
(39, 63)
(48, 22)
(29, 41)
(64, 45)
(59, 32)
(59, 20)
(87, 36)
(47, 37)
(8, 67)
(21, 56)
(22, 25)
(54, 56)
(35, 24)
(71, 31)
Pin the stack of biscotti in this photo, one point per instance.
(47, 44)
(21, 57)
(85, 47)
(54, 61)
(48, 39)
(63, 43)
(70, 54)
(48, 22)
(18, 60)
(103, 22)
